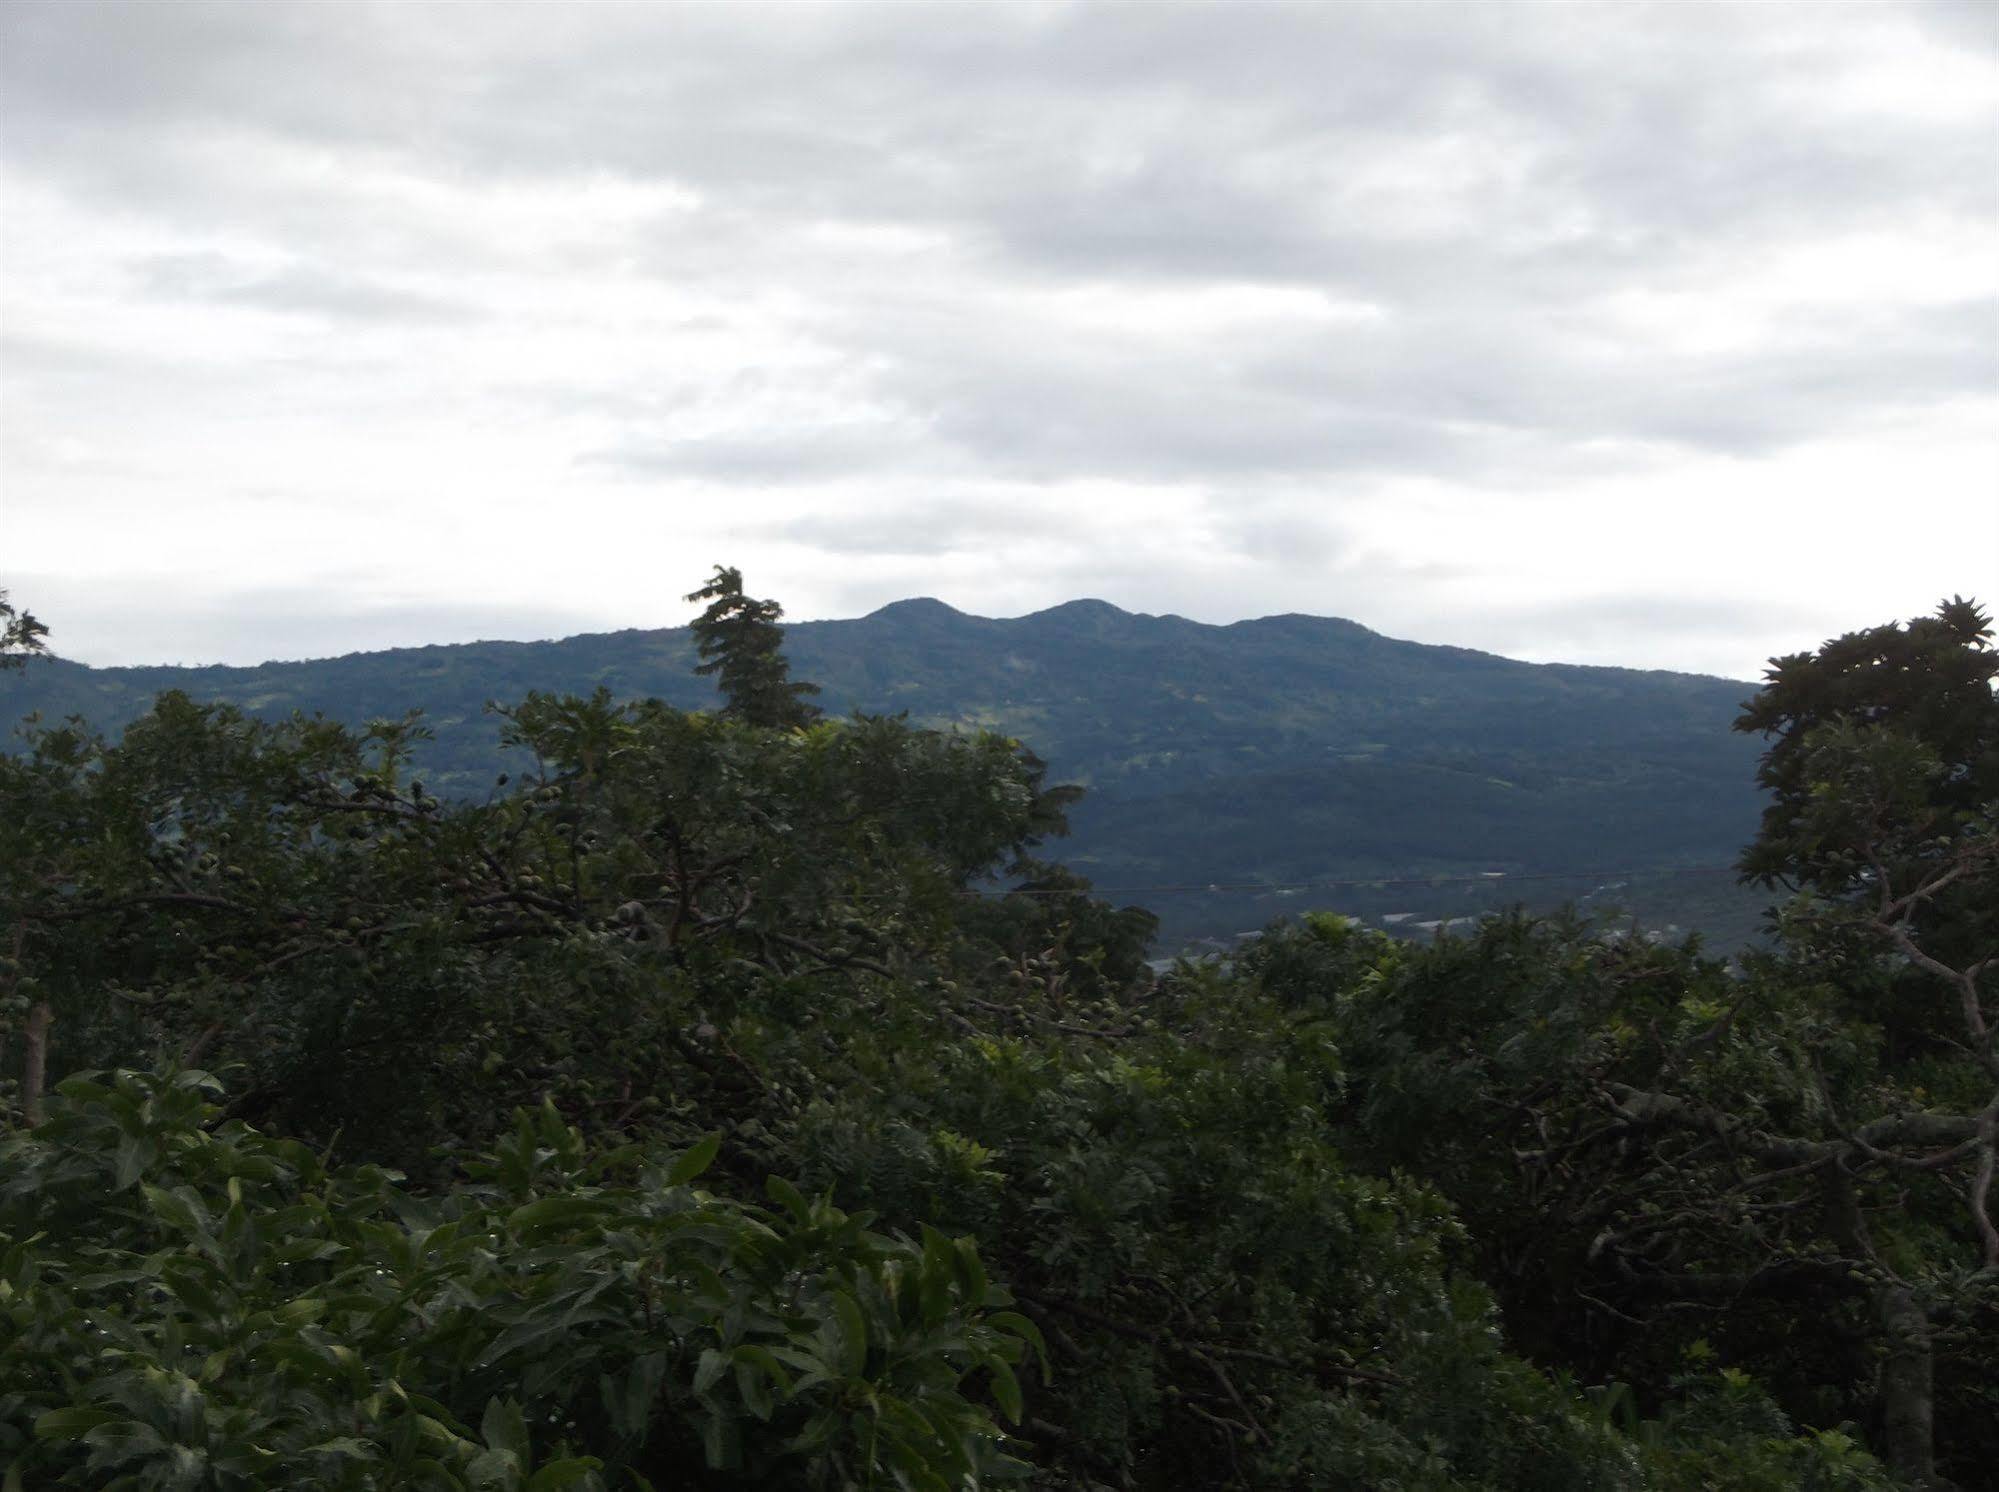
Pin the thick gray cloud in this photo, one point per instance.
(1450, 316)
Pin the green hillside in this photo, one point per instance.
(1250, 763)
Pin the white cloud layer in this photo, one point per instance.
(1662, 335)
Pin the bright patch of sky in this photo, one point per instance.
(1656, 335)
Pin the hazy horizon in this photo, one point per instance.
(57, 651)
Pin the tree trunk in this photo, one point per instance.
(1905, 1388)
(34, 1081)
(1907, 1394)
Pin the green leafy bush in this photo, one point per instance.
(193, 1304)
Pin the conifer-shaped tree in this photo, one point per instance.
(741, 644)
(20, 636)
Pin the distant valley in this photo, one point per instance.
(1234, 773)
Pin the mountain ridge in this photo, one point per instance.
(1279, 749)
(909, 606)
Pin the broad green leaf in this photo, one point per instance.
(71, 1424)
(764, 1359)
(971, 1270)
(789, 1197)
(556, 1211)
(630, 1399)
(135, 1154)
(708, 1372)
(756, 1388)
(174, 1210)
(118, 1442)
(570, 1472)
(1026, 1330)
(494, 1467)
(1005, 1387)
(694, 1161)
(504, 1428)
(851, 1355)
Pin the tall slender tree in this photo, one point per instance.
(742, 646)
(20, 636)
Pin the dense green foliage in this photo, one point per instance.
(1787, 1162)
(1662, 1163)
(1289, 749)
(1883, 774)
(749, 1132)
(678, 924)
(284, 896)
(192, 1304)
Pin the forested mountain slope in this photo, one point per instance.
(1287, 749)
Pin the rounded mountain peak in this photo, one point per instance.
(1085, 609)
(915, 609)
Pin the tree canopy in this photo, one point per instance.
(728, 1101)
(1786, 1161)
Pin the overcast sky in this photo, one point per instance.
(1607, 333)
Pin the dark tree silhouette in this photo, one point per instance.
(20, 636)
(741, 644)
